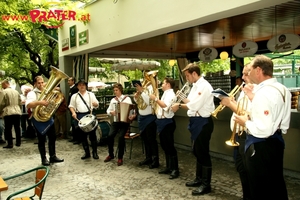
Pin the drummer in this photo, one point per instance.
(117, 126)
(81, 104)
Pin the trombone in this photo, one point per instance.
(232, 93)
(242, 107)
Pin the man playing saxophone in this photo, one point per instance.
(240, 160)
(146, 121)
(31, 103)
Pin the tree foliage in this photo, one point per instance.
(25, 50)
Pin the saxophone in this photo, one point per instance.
(54, 97)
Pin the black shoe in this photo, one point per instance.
(194, 183)
(72, 140)
(18, 144)
(174, 174)
(95, 155)
(203, 189)
(2, 142)
(9, 146)
(85, 156)
(55, 159)
(147, 161)
(76, 142)
(45, 162)
(165, 171)
(153, 165)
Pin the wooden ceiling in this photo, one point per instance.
(260, 25)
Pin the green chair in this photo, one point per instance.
(41, 175)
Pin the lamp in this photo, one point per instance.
(172, 61)
(224, 55)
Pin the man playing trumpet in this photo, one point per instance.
(200, 105)
(240, 160)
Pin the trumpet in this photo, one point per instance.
(182, 94)
(232, 93)
(238, 129)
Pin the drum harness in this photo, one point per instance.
(84, 101)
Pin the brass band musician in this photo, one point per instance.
(269, 119)
(146, 121)
(31, 103)
(117, 126)
(166, 126)
(81, 104)
(240, 160)
(199, 104)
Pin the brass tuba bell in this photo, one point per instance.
(150, 78)
(44, 113)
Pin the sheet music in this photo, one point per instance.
(219, 93)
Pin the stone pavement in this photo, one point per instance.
(93, 179)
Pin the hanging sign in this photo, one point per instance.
(244, 49)
(283, 43)
(208, 54)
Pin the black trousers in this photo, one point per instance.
(149, 138)
(9, 122)
(166, 137)
(51, 141)
(240, 165)
(121, 128)
(84, 135)
(201, 144)
(264, 162)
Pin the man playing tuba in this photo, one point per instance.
(146, 121)
(31, 103)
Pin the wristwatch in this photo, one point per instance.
(156, 99)
(179, 105)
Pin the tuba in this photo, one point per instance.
(54, 97)
(242, 107)
(140, 101)
(150, 78)
(232, 93)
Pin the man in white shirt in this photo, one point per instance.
(146, 121)
(268, 120)
(239, 151)
(31, 103)
(117, 126)
(200, 105)
(82, 104)
(166, 126)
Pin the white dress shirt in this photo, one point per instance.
(146, 98)
(32, 96)
(269, 112)
(167, 98)
(201, 99)
(79, 106)
(113, 102)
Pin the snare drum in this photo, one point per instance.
(88, 123)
